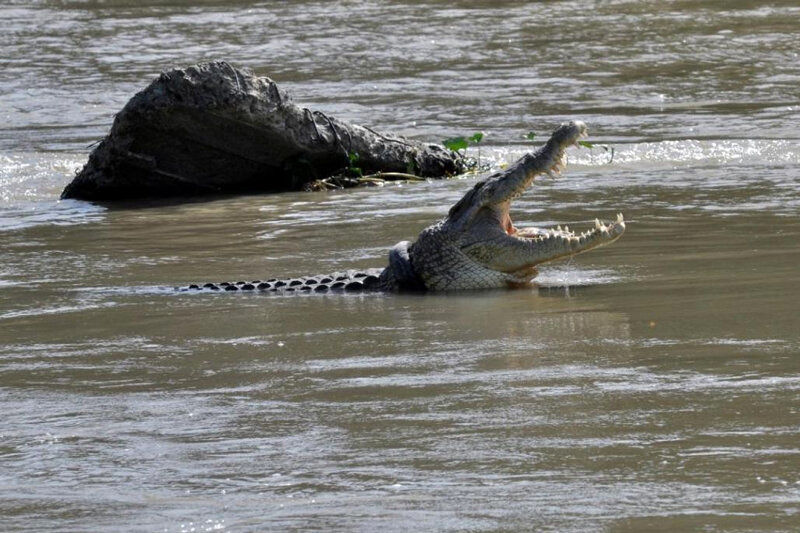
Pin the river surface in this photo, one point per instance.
(653, 385)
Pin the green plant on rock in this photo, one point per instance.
(457, 144)
(412, 168)
(353, 170)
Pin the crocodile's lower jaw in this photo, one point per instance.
(559, 242)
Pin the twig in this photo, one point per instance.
(341, 182)
(395, 176)
(369, 179)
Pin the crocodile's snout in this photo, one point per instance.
(569, 133)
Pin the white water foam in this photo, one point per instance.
(687, 152)
(30, 186)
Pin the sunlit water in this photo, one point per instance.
(650, 385)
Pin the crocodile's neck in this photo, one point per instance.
(400, 275)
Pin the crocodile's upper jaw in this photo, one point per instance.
(478, 246)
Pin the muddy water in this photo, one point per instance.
(651, 385)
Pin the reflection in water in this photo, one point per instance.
(651, 384)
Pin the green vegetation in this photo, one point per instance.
(457, 144)
(476, 138)
(411, 166)
(353, 170)
(610, 149)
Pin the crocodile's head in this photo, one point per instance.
(477, 244)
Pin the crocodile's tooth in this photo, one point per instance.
(597, 224)
(620, 218)
(559, 227)
(566, 228)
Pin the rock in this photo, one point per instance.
(215, 129)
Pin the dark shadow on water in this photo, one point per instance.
(172, 201)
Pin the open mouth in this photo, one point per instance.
(601, 231)
(564, 238)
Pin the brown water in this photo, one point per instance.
(650, 385)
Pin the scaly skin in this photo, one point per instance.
(476, 246)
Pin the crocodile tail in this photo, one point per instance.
(350, 281)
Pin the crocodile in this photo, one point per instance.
(476, 246)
